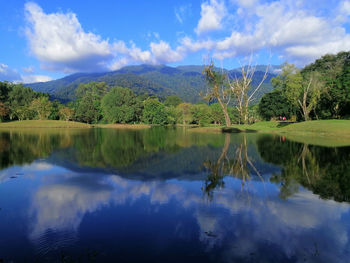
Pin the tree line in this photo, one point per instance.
(98, 103)
(320, 90)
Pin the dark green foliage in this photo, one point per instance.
(54, 115)
(4, 91)
(323, 170)
(274, 105)
(335, 73)
(88, 108)
(121, 105)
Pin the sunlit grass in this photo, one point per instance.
(322, 132)
(43, 124)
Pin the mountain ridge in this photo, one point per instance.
(154, 80)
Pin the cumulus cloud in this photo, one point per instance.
(212, 14)
(295, 30)
(60, 43)
(163, 53)
(285, 27)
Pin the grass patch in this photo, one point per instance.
(44, 124)
(322, 132)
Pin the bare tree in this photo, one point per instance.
(311, 93)
(241, 86)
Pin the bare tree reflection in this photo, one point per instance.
(239, 166)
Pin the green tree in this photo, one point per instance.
(301, 90)
(171, 114)
(121, 105)
(88, 104)
(275, 104)
(54, 115)
(154, 112)
(217, 114)
(19, 99)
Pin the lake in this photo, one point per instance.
(170, 195)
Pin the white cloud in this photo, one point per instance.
(286, 28)
(163, 53)
(295, 30)
(8, 74)
(60, 43)
(34, 78)
(212, 14)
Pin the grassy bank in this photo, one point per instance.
(123, 126)
(67, 124)
(43, 124)
(323, 132)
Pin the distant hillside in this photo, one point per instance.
(161, 81)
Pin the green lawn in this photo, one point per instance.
(43, 124)
(323, 132)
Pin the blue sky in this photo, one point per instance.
(43, 40)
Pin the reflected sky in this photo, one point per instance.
(66, 213)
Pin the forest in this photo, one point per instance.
(320, 90)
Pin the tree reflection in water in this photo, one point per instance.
(240, 166)
(323, 170)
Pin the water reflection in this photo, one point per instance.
(118, 192)
(237, 164)
(324, 170)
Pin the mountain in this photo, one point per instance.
(161, 81)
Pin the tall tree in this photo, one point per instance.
(218, 90)
(301, 90)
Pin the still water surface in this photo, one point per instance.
(169, 195)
